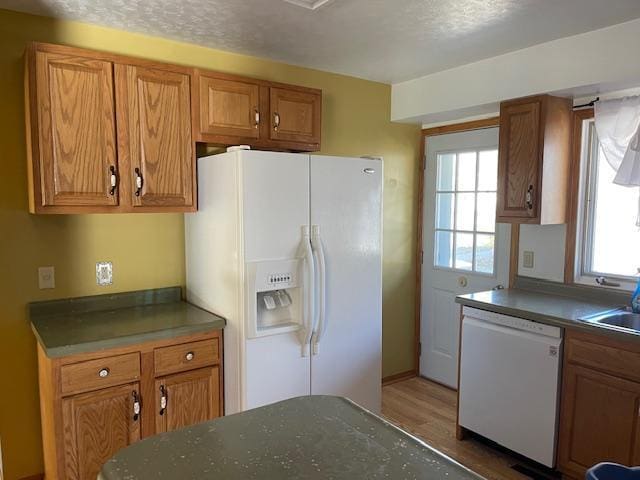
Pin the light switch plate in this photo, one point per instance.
(104, 273)
(527, 259)
(46, 277)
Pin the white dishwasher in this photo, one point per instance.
(509, 382)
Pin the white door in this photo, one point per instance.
(346, 204)
(463, 249)
(275, 205)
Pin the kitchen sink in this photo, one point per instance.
(624, 319)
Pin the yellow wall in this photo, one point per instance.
(148, 250)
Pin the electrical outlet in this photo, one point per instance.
(46, 277)
(527, 259)
(104, 273)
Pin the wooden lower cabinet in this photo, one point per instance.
(96, 426)
(600, 417)
(94, 404)
(189, 398)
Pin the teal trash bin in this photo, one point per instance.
(612, 471)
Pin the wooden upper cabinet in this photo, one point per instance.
(295, 115)
(71, 131)
(227, 108)
(189, 398)
(154, 131)
(96, 426)
(534, 159)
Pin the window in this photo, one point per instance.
(608, 235)
(465, 220)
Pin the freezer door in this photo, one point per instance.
(275, 206)
(275, 196)
(346, 205)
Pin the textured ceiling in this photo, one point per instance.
(384, 40)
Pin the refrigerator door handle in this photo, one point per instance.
(305, 332)
(321, 326)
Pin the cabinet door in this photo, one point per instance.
(228, 107)
(154, 126)
(96, 426)
(519, 160)
(599, 420)
(189, 398)
(295, 115)
(76, 130)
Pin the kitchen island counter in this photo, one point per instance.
(313, 437)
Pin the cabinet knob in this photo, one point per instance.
(529, 197)
(163, 399)
(276, 121)
(104, 373)
(139, 181)
(189, 356)
(136, 405)
(114, 180)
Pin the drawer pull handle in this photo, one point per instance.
(189, 356)
(136, 406)
(276, 121)
(256, 118)
(163, 399)
(139, 181)
(104, 373)
(114, 180)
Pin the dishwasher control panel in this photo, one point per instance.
(513, 322)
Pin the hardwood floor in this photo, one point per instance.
(428, 411)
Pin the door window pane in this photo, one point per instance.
(464, 251)
(444, 249)
(465, 211)
(484, 253)
(486, 211)
(446, 172)
(444, 210)
(466, 171)
(488, 170)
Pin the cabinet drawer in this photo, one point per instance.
(607, 357)
(187, 356)
(101, 373)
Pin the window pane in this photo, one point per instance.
(488, 170)
(446, 171)
(444, 210)
(467, 171)
(616, 238)
(486, 221)
(465, 211)
(484, 253)
(444, 249)
(464, 251)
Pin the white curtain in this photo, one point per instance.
(618, 128)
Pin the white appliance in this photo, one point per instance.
(287, 247)
(509, 381)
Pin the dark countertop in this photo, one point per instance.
(314, 437)
(558, 310)
(85, 324)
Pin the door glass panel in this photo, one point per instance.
(446, 172)
(444, 249)
(486, 212)
(488, 170)
(465, 216)
(465, 211)
(444, 210)
(484, 253)
(466, 171)
(464, 251)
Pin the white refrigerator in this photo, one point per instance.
(287, 247)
